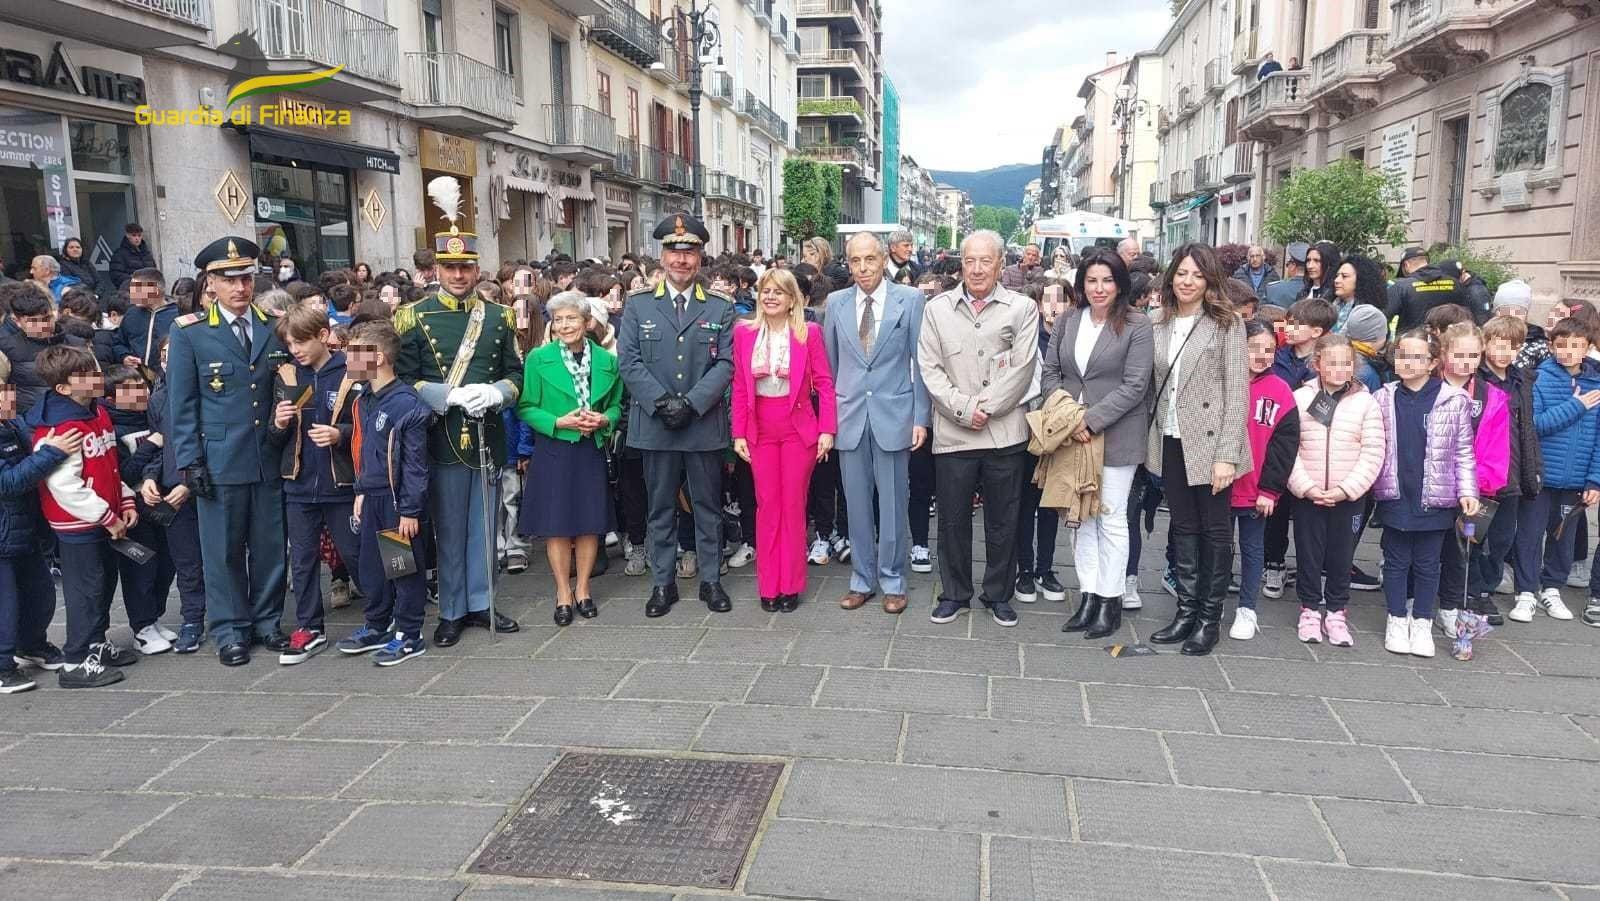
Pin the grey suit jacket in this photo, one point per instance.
(657, 355)
(1115, 386)
(885, 387)
(1213, 393)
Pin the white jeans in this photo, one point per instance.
(1100, 546)
(508, 541)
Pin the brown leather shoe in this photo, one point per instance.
(855, 599)
(894, 603)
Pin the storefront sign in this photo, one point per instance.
(232, 197)
(1400, 157)
(441, 152)
(35, 141)
(524, 165)
(373, 209)
(56, 72)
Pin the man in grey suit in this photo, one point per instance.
(675, 353)
(871, 332)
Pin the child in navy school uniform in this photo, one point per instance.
(144, 585)
(391, 494)
(163, 484)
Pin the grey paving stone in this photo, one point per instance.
(1473, 842)
(863, 864)
(1093, 664)
(802, 732)
(1036, 624)
(1489, 655)
(1042, 700)
(272, 767)
(1330, 680)
(520, 645)
(407, 839)
(1547, 694)
(44, 710)
(241, 832)
(661, 725)
(956, 655)
(334, 673)
(404, 719)
(170, 672)
(1297, 767)
(1295, 881)
(743, 646)
(1049, 748)
(1026, 869)
(1540, 785)
(1278, 642)
(559, 890)
(871, 689)
(217, 714)
(616, 643)
(1589, 724)
(1199, 820)
(841, 648)
(792, 686)
(74, 882)
(1173, 709)
(532, 678)
(689, 681)
(90, 762)
(927, 797)
(1274, 716)
(497, 774)
(1558, 659)
(237, 886)
(71, 825)
(1466, 729)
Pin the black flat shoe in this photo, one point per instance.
(770, 605)
(661, 601)
(235, 654)
(586, 608)
(449, 632)
(717, 600)
(277, 642)
(502, 623)
(789, 603)
(563, 614)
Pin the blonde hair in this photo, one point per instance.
(785, 282)
(823, 251)
(1457, 332)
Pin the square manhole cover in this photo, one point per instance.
(621, 818)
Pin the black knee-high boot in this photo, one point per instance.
(1186, 572)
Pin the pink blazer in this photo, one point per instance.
(808, 371)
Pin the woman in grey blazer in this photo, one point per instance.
(1101, 354)
(1197, 443)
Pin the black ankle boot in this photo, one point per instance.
(1107, 618)
(1213, 600)
(1080, 619)
(1185, 571)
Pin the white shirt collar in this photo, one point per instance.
(227, 317)
(879, 294)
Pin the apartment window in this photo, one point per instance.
(812, 38)
(812, 135)
(506, 44)
(1231, 131)
(1455, 138)
(633, 113)
(1370, 14)
(813, 86)
(603, 91)
(717, 139)
(1359, 154)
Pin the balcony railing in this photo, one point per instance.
(580, 127)
(1359, 54)
(1239, 162)
(626, 32)
(837, 56)
(1160, 194)
(1181, 184)
(1207, 174)
(764, 118)
(843, 154)
(191, 12)
(451, 79)
(1218, 73)
(627, 164)
(1084, 159)
(326, 33)
(1277, 93)
(1412, 20)
(831, 106)
(719, 86)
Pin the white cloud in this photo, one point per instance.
(986, 82)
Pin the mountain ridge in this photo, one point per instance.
(996, 186)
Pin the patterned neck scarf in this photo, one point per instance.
(771, 356)
(578, 368)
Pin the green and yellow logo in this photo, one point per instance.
(281, 110)
(271, 84)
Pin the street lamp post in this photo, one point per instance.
(1124, 109)
(703, 39)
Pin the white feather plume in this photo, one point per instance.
(446, 194)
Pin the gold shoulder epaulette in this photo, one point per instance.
(405, 317)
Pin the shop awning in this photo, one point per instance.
(268, 142)
(1181, 211)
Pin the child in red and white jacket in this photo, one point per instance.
(1273, 425)
(87, 504)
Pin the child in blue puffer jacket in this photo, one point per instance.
(1566, 415)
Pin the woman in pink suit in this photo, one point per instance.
(779, 362)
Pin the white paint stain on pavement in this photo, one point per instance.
(613, 809)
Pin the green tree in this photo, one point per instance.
(1492, 264)
(811, 193)
(832, 191)
(942, 237)
(1344, 202)
(997, 218)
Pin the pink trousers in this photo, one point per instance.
(781, 462)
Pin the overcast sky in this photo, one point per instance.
(986, 82)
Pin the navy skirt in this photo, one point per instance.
(566, 493)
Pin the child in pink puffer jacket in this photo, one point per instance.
(1342, 448)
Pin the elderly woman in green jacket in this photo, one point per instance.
(572, 399)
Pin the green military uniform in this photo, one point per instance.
(431, 332)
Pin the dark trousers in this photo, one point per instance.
(632, 503)
(398, 601)
(701, 473)
(744, 490)
(27, 602)
(145, 585)
(922, 491)
(1035, 523)
(1275, 541)
(997, 474)
(1536, 527)
(183, 544)
(88, 582)
(1453, 571)
(1194, 509)
(1488, 557)
(1411, 557)
(305, 523)
(241, 541)
(1324, 547)
(825, 505)
(1138, 496)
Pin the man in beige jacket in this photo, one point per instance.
(978, 349)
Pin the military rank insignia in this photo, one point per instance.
(216, 378)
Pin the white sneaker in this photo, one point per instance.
(921, 559)
(1421, 638)
(1578, 578)
(742, 557)
(1522, 611)
(612, 538)
(1272, 582)
(819, 553)
(1244, 625)
(166, 633)
(1550, 602)
(1507, 584)
(1447, 623)
(841, 548)
(1397, 635)
(1130, 594)
(150, 641)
